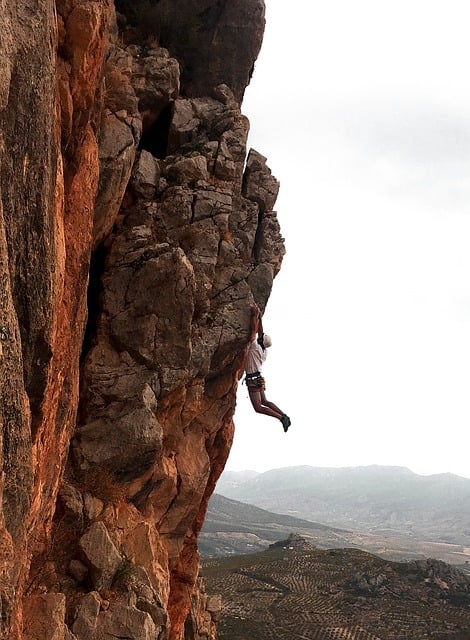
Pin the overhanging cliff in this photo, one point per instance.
(134, 235)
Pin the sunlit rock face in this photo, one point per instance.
(134, 235)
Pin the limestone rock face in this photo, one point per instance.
(100, 554)
(215, 42)
(203, 615)
(134, 235)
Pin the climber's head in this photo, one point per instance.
(267, 342)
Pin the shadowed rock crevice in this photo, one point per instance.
(133, 470)
(155, 138)
(94, 291)
(37, 382)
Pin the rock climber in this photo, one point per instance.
(255, 358)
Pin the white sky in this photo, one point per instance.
(363, 111)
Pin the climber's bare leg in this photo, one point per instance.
(266, 403)
(256, 398)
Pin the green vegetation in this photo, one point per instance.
(124, 573)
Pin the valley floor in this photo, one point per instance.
(338, 594)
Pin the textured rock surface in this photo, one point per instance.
(216, 42)
(133, 239)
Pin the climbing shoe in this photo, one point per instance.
(285, 422)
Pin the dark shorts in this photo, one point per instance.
(255, 382)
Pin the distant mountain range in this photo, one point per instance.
(379, 500)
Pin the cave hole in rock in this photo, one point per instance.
(155, 137)
(97, 263)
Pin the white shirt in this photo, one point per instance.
(255, 357)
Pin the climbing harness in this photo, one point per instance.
(255, 381)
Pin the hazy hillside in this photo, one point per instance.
(380, 500)
(337, 595)
(233, 527)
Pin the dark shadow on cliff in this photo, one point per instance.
(214, 43)
(155, 138)
(97, 263)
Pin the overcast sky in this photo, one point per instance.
(363, 111)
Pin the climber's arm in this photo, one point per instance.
(260, 327)
(255, 322)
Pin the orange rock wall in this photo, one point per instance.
(47, 205)
(133, 239)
